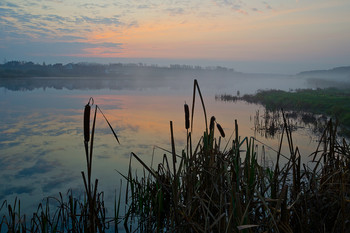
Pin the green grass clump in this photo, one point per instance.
(331, 102)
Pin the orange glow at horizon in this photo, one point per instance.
(200, 30)
(227, 36)
(166, 39)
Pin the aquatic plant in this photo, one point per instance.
(330, 102)
(72, 213)
(210, 186)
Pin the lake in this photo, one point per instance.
(41, 127)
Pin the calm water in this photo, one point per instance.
(41, 139)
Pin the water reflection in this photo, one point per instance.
(41, 138)
(236, 82)
(271, 123)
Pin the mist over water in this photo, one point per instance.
(213, 83)
(41, 138)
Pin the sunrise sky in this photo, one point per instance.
(250, 36)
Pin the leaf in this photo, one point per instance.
(243, 227)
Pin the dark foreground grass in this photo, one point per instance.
(210, 187)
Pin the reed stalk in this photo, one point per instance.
(207, 189)
(213, 190)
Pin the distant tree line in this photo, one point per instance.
(342, 70)
(30, 69)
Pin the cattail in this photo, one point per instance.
(87, 123)
(212, 121)
(87, 110)
(187, 116)
(220, 130)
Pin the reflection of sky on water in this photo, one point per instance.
(41, 142)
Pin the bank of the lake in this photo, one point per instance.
(330, 102)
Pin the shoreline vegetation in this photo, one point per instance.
(208, 186)
(19, 69)
(328, 102)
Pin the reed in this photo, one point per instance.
(330, 102)
(207, 187)
(69, 214)
(210, 189)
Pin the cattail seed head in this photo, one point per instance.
(212, 121)
(222, 133)
(87, 110)
(187, 116)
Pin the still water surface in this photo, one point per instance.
(41, 134)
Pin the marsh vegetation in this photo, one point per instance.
(310, 105)
(210, 186)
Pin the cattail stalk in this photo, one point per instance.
(222, 133)
(187, 116)
(212, 122)
(87, 111)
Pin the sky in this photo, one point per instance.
(250, 36)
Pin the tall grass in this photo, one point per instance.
(68, 213)
(331, 102)
(207, 187)
(210, 187)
